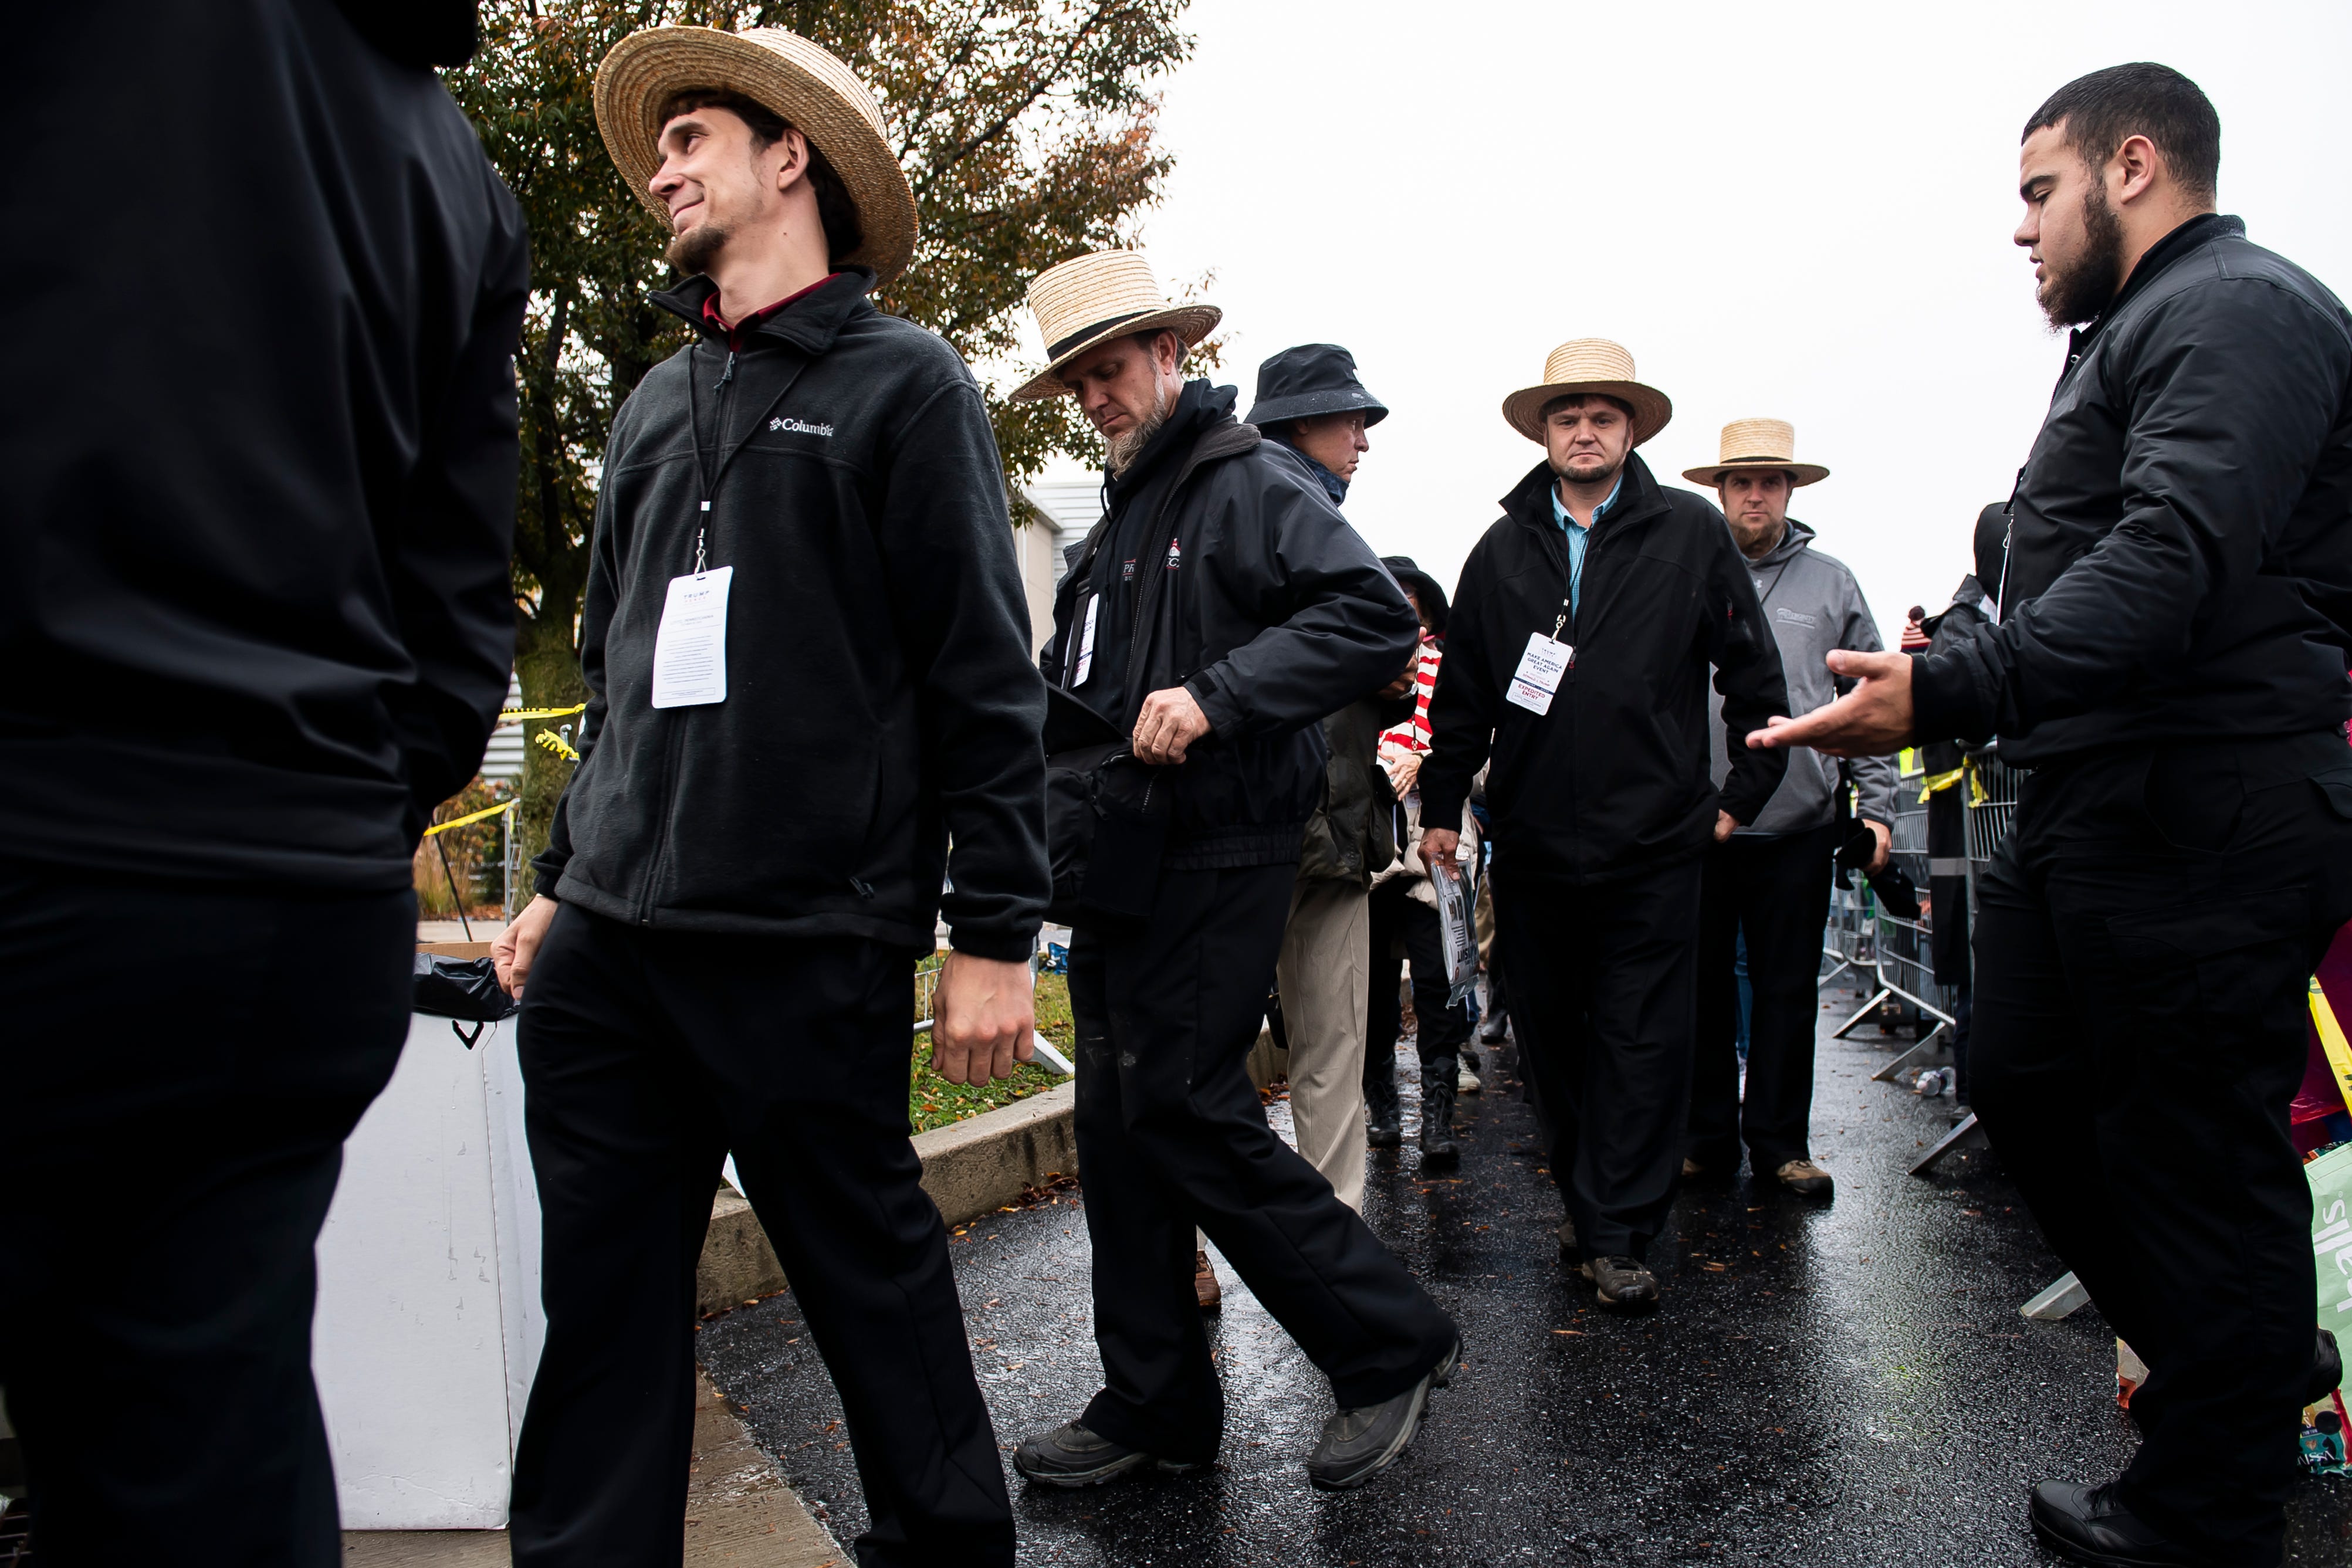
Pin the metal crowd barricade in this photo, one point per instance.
(1888, 951)
(1991, 787)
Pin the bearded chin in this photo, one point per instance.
(1124, 449)
(2077, 295)
(693, 252)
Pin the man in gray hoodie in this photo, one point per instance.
(1771, 879)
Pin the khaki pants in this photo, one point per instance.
(1324, 975)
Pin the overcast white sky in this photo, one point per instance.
(1799, 210)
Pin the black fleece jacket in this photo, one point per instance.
(259, 424)
(880, 700)
(2181, 558)
(1252, 593)
(1616, 777)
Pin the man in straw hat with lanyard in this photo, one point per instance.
(802, 528)
(2168, 664)
(1771, 878)
(1583, 630)
(1220, 608)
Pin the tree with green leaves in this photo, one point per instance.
(1026, 128)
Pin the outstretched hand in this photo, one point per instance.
(1874, 719)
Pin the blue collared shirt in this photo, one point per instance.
(1579, 535)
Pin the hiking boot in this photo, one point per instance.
(1205, 1289)
(1622, 1284)
(1358, 1444)
(1073, 1456)
(1437, 1145)
(2091, 1524)
(1383, 1117)
(1805, 1179)
(1568, 1240)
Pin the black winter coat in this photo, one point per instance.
(1263, 604)
(257, 417)
(879, 694)
(2181, 563)
(1616, 776)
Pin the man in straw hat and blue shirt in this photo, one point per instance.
(1770, 880)
(1220, 608)
(801, 526)
(1583, 631)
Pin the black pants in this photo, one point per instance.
(1172, 1135)
(2143, 945)
(646, 1057)
(180, 1065)
(1777, 890)
(1399, 918)
(1601, 1001)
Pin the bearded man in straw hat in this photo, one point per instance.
(1583, 631)
(1771, 879)
(1220, 608)
(802, 533)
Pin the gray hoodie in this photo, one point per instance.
(1813, 605)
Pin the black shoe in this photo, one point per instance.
(1357, 1445)
(2327, 1369)
(1568, 1241)
(1622, 1284)
(2091, 1524)
(1384, 1118)
(1071, 1456)
(1437, 1089)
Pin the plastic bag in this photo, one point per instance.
(1452, 885)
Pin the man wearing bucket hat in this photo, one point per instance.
(1311, 404)
(720, 958)
(1220, 608)
(1771, 878)
(1583, 630)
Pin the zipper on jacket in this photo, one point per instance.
(863, 888)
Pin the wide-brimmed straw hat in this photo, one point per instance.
(1589, 365)
(1094, 298)
(781, 71)
(1757, 443)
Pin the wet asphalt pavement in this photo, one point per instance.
(1823, 1384)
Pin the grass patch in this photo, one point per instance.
(933, 1101)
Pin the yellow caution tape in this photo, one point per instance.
(1978, 793)
(471, 816)
(1944, 780)
(555, 743)
(1906, 761)
(517, 715)
(2331, 1041)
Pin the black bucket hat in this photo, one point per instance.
(1309, 379)
(1424, 589)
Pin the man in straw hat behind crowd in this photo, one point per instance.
(1771, 879)
(1584, 628)
(1220, 608)
(801, 529)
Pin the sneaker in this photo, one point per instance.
(1805, 1179)
(1622, 1284)
(1073, 1456)
(1358, 1444)
(1205, 1289)
(2092, 1525)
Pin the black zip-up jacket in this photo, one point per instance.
(2181, 565)
(1616, 777)
(1263, 603)
(259, 424)
(880, 699)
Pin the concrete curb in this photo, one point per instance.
(970, 1167)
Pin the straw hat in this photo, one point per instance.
(784, 72)
(1757, 443)
(1589, 365)
(1096, 297)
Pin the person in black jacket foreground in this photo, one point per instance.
(1217, 613)
(749, 857)
(2170, 663)
(1581, 668)
(254, 596)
